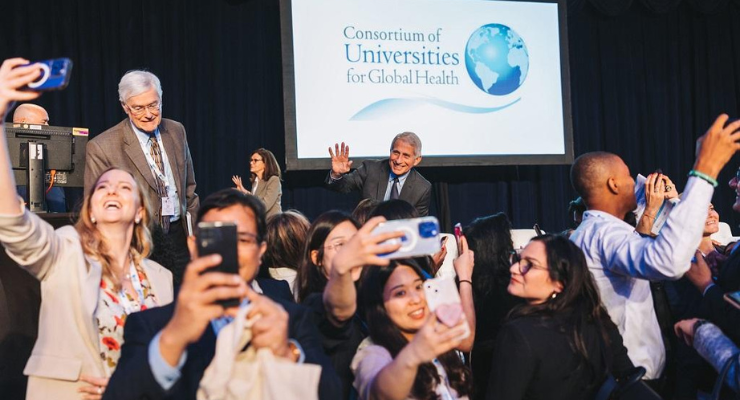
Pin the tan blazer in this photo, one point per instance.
(67, 344)
(118, 147)
(270, 192)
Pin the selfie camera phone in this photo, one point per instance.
(537, 230)
(55, 75)
(458, 232)
(220, 238)
(733, 298)
(443, 300)
(420, 237)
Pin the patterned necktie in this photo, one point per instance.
(156, 154)
(394, 189)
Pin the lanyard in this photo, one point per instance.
(136, 283)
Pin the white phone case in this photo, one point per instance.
(441, 292)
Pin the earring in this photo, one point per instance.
(93, 220)
(554, 295)
(137, 220)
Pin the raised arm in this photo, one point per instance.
(669, 255)
(464, 269)
(340, 295)
(13, 77)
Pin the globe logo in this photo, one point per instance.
(496, 59)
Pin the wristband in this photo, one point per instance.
(699, 323)
(704, 177)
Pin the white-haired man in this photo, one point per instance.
(155, 150)
(392, 178)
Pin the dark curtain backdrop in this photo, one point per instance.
(647, 78)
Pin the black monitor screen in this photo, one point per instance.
(64, 152)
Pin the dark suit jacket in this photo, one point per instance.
(118, 147)
(133, 378)
(371, 179)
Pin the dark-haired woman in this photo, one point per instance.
(560, 344)
(490, 238)
(265, 177)
(341, 331)
(409, 354)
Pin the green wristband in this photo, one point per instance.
(704, 176)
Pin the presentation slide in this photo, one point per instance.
(480, 82)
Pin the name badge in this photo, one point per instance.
(168, 206)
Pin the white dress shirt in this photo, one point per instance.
(623, 263)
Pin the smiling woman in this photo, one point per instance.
(560, 344)
(93, 274)
(409, 353)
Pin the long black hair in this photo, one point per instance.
(311, 277)
(384, 332)
(490, 238)
(577, 305)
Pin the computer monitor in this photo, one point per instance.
(63, 156)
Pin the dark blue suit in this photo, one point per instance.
(371, 179)
(133, 378)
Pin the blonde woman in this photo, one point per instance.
(93, 274)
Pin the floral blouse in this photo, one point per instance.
(113, 308)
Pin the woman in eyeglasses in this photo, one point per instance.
(561, 343)
(265, 178)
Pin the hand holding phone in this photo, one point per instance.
(55, 75)
(220, 238)
(458, 232)
(444, 301)
(420, 237)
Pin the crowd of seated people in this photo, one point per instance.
(568, 316)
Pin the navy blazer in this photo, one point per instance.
(133, 378)
(371, 179)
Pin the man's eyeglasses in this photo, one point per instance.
(138, 110)
(524, 265)
(255, 160)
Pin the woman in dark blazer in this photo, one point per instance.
(265, 179)
(560, 344)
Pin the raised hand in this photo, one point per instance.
(465, 262)
(13, 78)
(672, 193)
(238, 182)
(716, 147)
(340, 163)
(654, 193)
(363, 248)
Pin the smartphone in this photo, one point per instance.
(444, 301)
(458, 232)
(55, 75)
(537, 230)
(733, 298)
(220, 238)
(421, 237)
